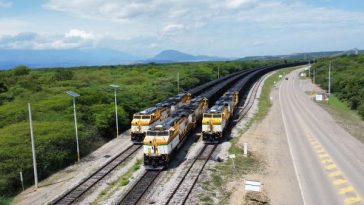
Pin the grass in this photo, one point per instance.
(264, 99)
(5, 200)
(225, 172)
(346, 118)
(122, 181)
(339, 106)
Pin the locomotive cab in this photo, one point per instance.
(212, 127)
(156, 149)
(139, 125)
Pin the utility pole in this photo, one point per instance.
(309, 68)
(116, 116)
(314, 76)
(218, 71)
(74, 95)
(329, 89)
(178, 82)
(76, 130)
(116, 109)
(33, 147)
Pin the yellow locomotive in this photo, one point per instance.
(217, 118)
(164, 138)
(146, 118)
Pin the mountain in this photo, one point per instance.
(170, 56)
(10, 58)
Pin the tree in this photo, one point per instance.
(63, 74)
(3, 87)
(21, 70)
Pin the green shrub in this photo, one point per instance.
(3, 87)
(62, 75)
(21, 70)
(361, 110)
(347, 79)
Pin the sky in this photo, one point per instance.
(226, 28)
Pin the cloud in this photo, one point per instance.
(143, 27)
(75, 33)
(258, 43)
(29, 40)
(5, 4)
(112, 9)
(171, 29)
(14, 26)
(235, 4)
(160, 13)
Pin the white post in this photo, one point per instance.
(245, 149)
(33, 148)
(76, 130)
(329, 89)
(116, 115)
(21, 180)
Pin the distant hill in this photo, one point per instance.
(309, 55)
(169, 56)
(10, 58)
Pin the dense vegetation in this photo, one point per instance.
(347, 79)
(141, 86)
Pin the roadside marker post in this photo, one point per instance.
(245, 149)
(21, 180)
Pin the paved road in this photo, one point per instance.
(328, 161)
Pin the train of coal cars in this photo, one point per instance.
(168, 126)
(165, 137)
(143, 120)
(216, 120)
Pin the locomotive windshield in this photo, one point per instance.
(207, 115)
(217, 116)
(157, 133)
(137, 117)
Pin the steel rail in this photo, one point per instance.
(204, 156)
(77, 191)
(242, 113)
(137, 191)
(139, 188)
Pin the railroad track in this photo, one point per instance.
(189, 179)
(148, 178)
(139, 188)
(76, 192)
(244, 111)
(184, 186)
